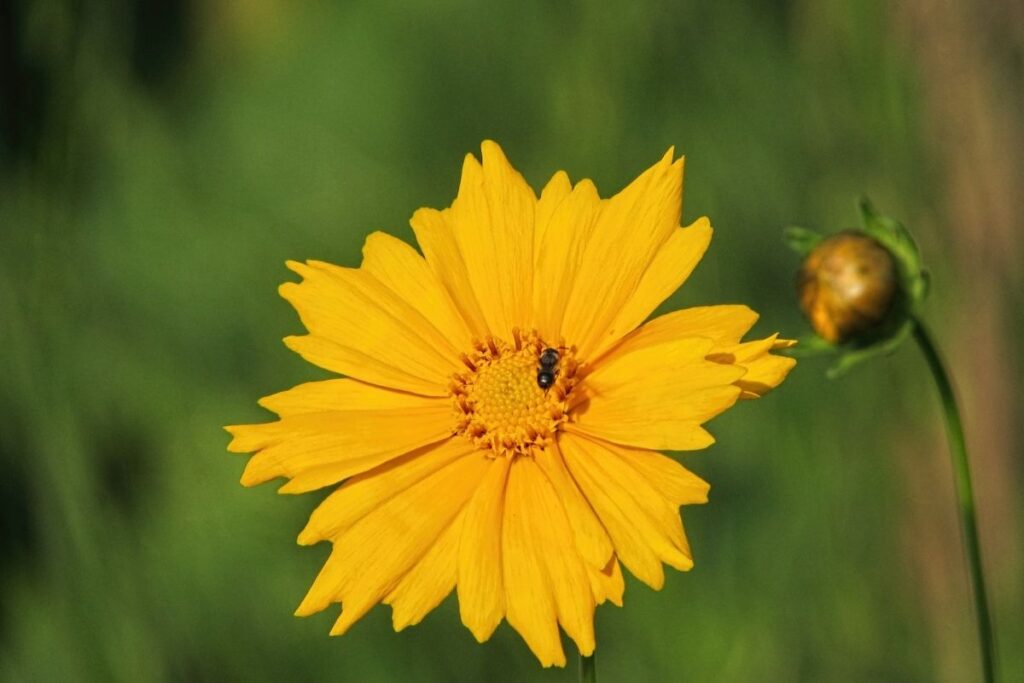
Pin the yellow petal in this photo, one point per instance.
(436, 238)
(657, 396)
(591, 539)
(493, 221)
(481, 597)
(559, 256)
(530, 604)
(632, 226)
(764, 370)
(317, 449)
(369, 368)
(371, 557)
(403, 271)
(352, 310)
(565, 569)
(723, 325)
(671, 266)
(338, 394)
(644, 527)
(764, 374)
(557, 189)
(677, 484)
(428, 582)
(607, 584)
(363, 493)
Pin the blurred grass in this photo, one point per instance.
(166, 164)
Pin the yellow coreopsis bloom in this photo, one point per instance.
(498, 427)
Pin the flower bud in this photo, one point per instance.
(848, 285)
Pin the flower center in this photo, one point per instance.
(501, 403)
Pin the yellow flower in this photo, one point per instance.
(459, 466)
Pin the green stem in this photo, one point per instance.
(588, 674)
(964, 494)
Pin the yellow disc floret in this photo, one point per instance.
(499, 403)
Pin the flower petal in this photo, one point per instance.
(369, 368)
(607, 584)
(481, 596)
(371, 557)
(764, 374)
(590, 537)
(723, 325)
(656, 396)
(317, 449)
(565, 569)
(436, 238)
(676, 484)
(644, 527)
(338, 394)
(671, 266)
(557, 189)
(559, 254)
(363, 493)
(765, 371)
(530, 604)
(398, 267)
(429, 581)
(493, 222)
(352, 311)
(632, 226)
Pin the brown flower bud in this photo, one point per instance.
(848, 285)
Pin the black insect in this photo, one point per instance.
(548, 368)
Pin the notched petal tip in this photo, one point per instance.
(289, 291)
(252, 477)
(308, 608)
(344, 623)
(490, 148)
(481, 635)
(297, 267)
(700, 225)
(236, 445)
(308, 537)
(559, 182)
(472, 175)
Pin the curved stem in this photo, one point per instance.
(964, 494)
(588, 674)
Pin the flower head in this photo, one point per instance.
(498, 426)
(860, 288)
(847, 286)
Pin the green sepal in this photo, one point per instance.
(882, 347)
(892, 235)
(810, 345)
(801, 240)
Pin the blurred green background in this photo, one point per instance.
(159, 162)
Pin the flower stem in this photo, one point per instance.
(964, 494)
(588, 674)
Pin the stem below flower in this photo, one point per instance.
(964, 494)
(588, 674)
